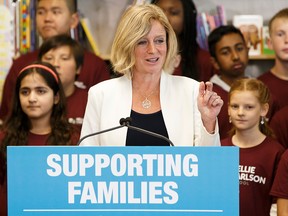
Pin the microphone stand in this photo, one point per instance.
(99, 132)
(125, 122)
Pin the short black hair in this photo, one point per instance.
(218, 33)
(71, 4)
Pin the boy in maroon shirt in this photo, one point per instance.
(229, 56)
(277, 78)
(66, 55)
(279, 124)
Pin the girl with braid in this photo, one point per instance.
(248, 105)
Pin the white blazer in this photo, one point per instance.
(111, 100)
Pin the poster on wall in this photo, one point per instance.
(251, 28)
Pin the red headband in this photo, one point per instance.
(40, 66)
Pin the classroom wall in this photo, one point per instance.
(103, 16)
(266, 8)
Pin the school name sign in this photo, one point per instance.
(123, 181)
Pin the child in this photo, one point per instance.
(277, 78)
(38, 116)
(280, 186)
(66, 55)
(259, 153)
(229, 55)
(279, 124)
(194, 61)
(54, 17)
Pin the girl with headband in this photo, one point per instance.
(38, 116)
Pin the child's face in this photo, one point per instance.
(36, 97)
(63, 60)
(279, 38)
(53, 18)
(245, 110)
(174, 12)
(231, 56)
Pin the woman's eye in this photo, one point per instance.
(142, 42)
(160, 41)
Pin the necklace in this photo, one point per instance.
(146, 103)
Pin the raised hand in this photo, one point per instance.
(209, 105)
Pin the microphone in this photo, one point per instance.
(127, 122)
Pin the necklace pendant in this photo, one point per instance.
(146, 104)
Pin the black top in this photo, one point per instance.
(152, 122)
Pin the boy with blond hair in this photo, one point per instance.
(277, 77)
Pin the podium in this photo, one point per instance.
(118, 181)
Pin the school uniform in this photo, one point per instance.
(280, 185)
(257, 168)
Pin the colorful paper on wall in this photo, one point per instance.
(6, 43)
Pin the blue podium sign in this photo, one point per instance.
(123, 181)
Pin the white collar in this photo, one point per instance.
(217, 80)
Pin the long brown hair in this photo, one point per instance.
(17, 125)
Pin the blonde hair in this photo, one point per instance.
(261, 92)
(134, 24)
(279, 15)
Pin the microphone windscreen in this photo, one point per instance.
(122, 121)
(128, 120)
